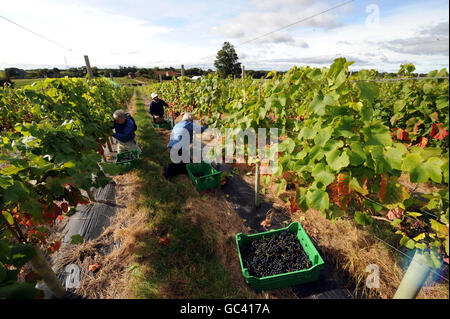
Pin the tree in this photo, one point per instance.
(226, 61)
(194, 72)
(15, 72)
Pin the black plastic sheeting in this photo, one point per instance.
(242, 197)
(91, 220)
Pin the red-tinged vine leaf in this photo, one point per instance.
(164, 241)
(65, 207)
(100, 149)
(94, 267)
(32, 277)
(54, 247)
(340, 191)
(402, 135)
(438, 131)
(266, 223)
(392, 194)
(395, 213)
(416, 127)
(293, 207)
(359, 186)
(383, 187)
(423, 142)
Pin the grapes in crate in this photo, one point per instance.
(278, 254)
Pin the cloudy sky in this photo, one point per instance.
(380, 34)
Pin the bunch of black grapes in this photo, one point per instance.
(278, 254)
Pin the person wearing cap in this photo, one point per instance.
(156, 108)
(176, 136)
(124, 128)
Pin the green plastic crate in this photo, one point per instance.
(127, 164)
(287, 279)
(166, 124)
(209, 178)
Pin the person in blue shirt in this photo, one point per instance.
(156, 108)
(124, 128)
(185, 124)
(178, 135)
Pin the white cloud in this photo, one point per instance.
(369, 47)
(84, 29)
(271, 15)
(431, 40)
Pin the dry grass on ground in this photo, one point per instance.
(127, 227)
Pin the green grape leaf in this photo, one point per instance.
(76, 239)
(363, 218)
(407, 242)
(318, 199)
(369, 90)
(377, 134)
(19, 291)
(322, 174)
(337, 159)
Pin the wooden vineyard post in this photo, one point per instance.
(182, 70)
(41, 266)
(160, 78)
(259, 93)
(88, 67)
(108, 142)
(243, 72)
(257, 179)
(257, 164)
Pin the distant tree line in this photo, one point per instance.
(149, 73)
(122, 71)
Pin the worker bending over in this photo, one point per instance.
(124, 128)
